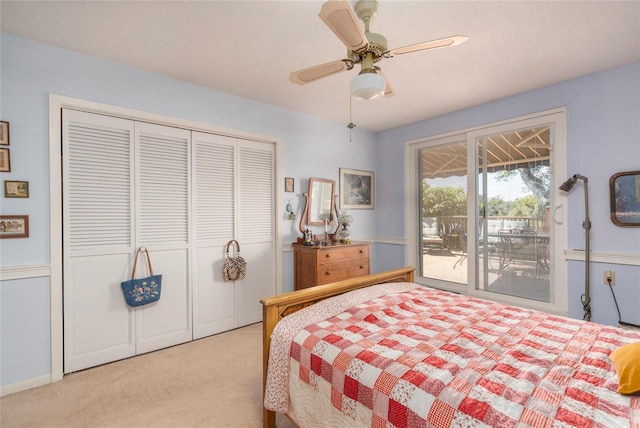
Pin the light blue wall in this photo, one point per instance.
(603, 137)
(30, 71)
(603, 131)
(24, 317)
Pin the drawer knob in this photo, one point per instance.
(361, 267)
(328, 256)
(361, 252)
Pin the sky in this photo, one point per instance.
(507, 190)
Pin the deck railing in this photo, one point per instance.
(453, 223)
(450, 226)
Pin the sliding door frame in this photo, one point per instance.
(559, 304)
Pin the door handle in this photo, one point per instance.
(559, 208)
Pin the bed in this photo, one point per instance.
(382, 351)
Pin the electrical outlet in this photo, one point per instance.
(609, 274)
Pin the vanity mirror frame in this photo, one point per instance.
(319, 188)
(320, 200)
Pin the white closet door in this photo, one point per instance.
(214, 190)
(162, 219)
(255, 227)
(129, 184)
(125, 185)
(97, 238)
(233, 199)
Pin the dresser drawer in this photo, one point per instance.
(331, 255)
(316, 264)
(337, 271)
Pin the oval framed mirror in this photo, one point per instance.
(320, 201)
(624, 189)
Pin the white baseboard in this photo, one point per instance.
(629, 327)
(25, 384)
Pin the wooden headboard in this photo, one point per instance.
(277, 307)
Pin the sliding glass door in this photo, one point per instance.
(513, 205)
(483, 220)
(443, 211)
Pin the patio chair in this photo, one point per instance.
(542, 255)
(431, 234)
(504, 247)
(462, 244)
(517, 244)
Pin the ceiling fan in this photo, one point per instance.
(363, 47)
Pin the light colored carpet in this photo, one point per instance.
(211, 382)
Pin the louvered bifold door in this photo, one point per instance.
(162, 225)
(214, 209)
(97, 238)
(255, 227)
(233, 187)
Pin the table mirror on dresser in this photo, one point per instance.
(319, 204)
(325, 259)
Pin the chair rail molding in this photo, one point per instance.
(598, 257)
(387, 240)
(8, 273)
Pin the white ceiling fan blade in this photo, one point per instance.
(341, 19)
(433, 44)
(302, 77)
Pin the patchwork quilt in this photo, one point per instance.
(420, 357)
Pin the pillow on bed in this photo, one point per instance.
(626, 360)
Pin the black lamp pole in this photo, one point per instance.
(586, 224)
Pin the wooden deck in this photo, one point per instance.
(522, 278)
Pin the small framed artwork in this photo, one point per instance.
(14, 226)
(4, 133)
(16, 189)
(356, 189)
(5, 163)
(288, 184)
(624, 189)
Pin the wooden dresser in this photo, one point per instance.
(316, 265)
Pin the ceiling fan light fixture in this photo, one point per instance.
(368, 86)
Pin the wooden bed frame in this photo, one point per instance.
(277, 307)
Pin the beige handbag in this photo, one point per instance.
(235, 267)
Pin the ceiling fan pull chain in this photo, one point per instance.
(351, 125)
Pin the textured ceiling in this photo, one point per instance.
(248, 48)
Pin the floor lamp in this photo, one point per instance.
(586, 224)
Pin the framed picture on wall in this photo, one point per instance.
(5, 163)
(288, 184)
(356, 189)
(14, 226)
(16, 189)
(4, 133)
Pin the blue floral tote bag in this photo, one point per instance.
(142, 291)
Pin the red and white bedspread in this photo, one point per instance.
(424, 357)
